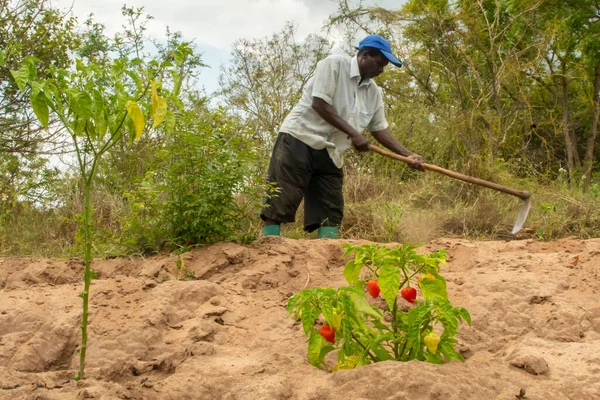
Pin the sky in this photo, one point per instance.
(214, 25)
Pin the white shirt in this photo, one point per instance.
(336, 80)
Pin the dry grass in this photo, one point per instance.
(380, 210)
(433, 206)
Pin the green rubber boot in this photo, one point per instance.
(328, 232)
(271, 230)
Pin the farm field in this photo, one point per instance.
(218, 328)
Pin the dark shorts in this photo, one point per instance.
(300, 171)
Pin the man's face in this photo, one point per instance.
(371, 66)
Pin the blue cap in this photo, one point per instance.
(379, 43)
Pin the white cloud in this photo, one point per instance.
(214, 25)
(211, 22)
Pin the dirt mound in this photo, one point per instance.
(217, 328)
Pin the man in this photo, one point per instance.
(339, 102)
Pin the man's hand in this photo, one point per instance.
(386, 138)
(329, 114)
(360, 143)
(417, 162)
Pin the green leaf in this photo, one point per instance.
(328, 348)
(179, 57)
(136, 78)
(170, 124)
(327, 311)
(21, 76)
(309, 315)
(414, 322)
(176, 82)
(134, 111)
(433, 358)
(381, 353)
(100, 117)
(464, 314)
(362, 306)
(293, 303)
(447, 350)
(40, 107)
(36, 87)
(2, 58)
(316, 345)
(433, 288)
(352, 272)
(81, 103)
(389, 283)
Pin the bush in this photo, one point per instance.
(202, 189)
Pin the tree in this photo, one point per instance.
(511, 80)
(29, 27)
(265, 78)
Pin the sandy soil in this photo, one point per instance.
(223, 333)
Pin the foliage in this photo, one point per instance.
(505, 91)
(201, 188)
(365, 334)
(98, 105)
(29, 27)
(492, 80)
(266, 78)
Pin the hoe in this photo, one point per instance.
(523, 195)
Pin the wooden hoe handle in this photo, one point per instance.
(524, 195)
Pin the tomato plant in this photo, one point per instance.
(365, 333)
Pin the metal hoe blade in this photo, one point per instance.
(522, 216)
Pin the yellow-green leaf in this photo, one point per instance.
(352, 272)
(349, 362)
(134, 111)
(154, 97)
(160, 113)
(159, 106)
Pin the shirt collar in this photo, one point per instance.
(355, 72)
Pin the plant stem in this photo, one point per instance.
(87, 275)
(401, 354)
(395, 326)
(373, 358)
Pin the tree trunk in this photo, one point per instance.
(566, 125)
(591, 142)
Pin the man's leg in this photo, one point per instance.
(323, 199)
(289, 171)
(271, 228)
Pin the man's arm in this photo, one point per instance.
(328, 113)
(388, 140)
